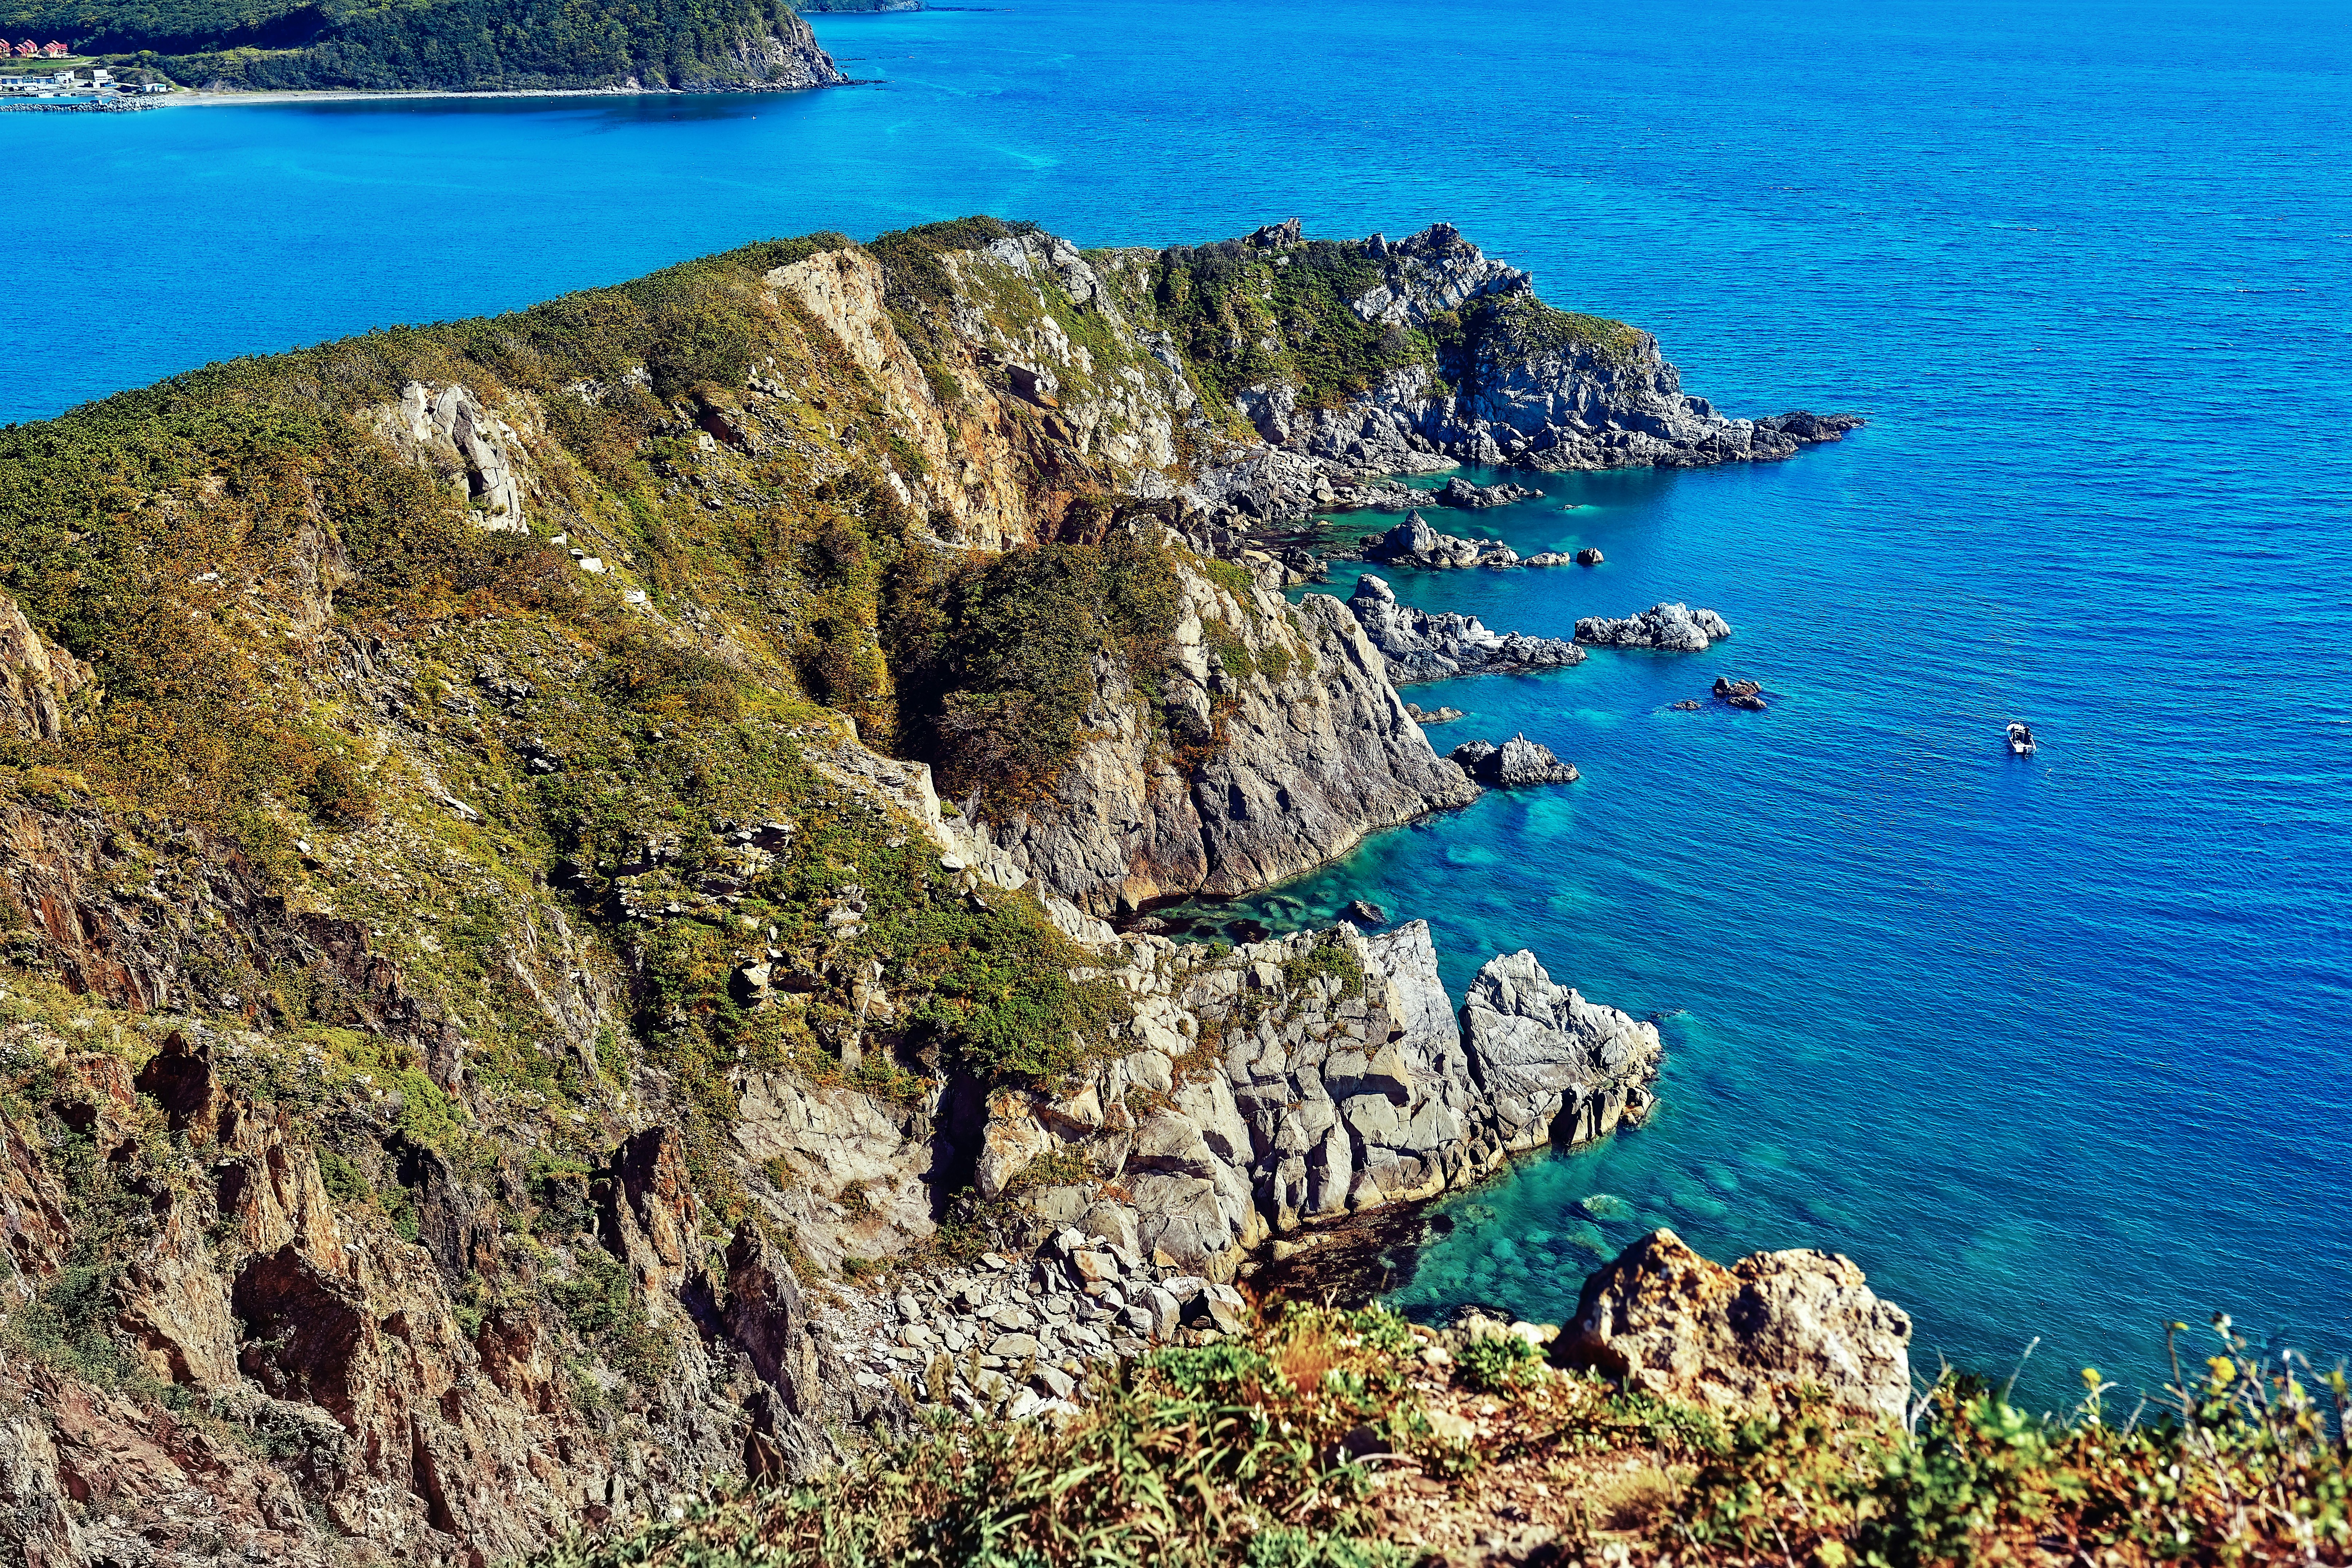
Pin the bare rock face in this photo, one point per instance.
(786, 57)
(1318, 751)
(1670, 628)
(1673, 1323)
(1327, 1094)
(43, 689)
(1342, 1081)
(1554, 1066)
(449, 429)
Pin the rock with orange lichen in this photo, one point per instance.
(1672, 1323)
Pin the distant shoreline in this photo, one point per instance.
(200, 98)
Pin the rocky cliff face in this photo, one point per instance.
(1312, 750)
(786, 56)
(1300, 1080)
(44, 690)
(330, 1391)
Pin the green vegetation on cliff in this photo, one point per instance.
(450, 44)
(997, 655)
(1244, 315)
(315, 661)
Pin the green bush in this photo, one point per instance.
(2248, 1465)
(1499, 1362)
(995, 658)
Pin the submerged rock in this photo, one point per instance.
(1420, 715)
(1677, 1325)
(1740, 693)
(1365, 913)
(1517, 762)
(1418, 645)
(1672, 628)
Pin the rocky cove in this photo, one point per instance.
(502, 1022)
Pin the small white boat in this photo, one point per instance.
(2020, 739)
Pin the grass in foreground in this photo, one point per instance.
(1331, 1438)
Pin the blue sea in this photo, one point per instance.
(2055, 1047)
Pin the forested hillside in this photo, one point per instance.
(445, 45)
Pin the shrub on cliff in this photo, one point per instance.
(995, 658)
(2247, 1463)
(1240, 320)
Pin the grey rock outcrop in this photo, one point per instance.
(1320, 1093)
(1678, 1325)
(449, 429)
(1553, 1066)
(1417, 646)
(1672, 629)
(1589, 557)
(1460, 493)
(1413, 543)
(1517, 764)
(1433, 270)
(1324, 1094)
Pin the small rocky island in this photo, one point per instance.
(1514, 764)
(1674, 629)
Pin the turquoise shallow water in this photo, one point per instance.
(2053, 1047)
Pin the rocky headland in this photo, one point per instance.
(453, 46)
(558, 898)
(1516, 382)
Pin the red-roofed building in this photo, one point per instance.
(55, 51)
(28, 47)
